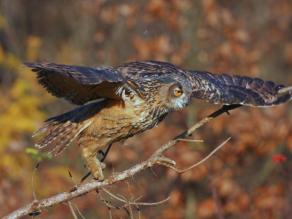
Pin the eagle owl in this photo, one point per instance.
(116, 103)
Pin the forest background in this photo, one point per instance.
(249, 178)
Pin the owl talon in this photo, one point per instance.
(98, 175)
(96, 169)
(93, 164)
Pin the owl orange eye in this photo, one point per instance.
(177, 92)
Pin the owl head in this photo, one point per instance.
(165, 92)
(174, 92)
(175, 96)
(161, 86)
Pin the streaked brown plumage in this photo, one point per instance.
(132, 98)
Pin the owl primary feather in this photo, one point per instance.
(116, 103)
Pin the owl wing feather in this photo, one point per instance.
(143, 70)
(78, 84)
(232, 89)
(82, 84)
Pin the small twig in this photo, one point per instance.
(107, 203)
(127, 204)
(33, 181)
(78, 211)
(131, 214)
(72, 210)
(201, 161)
(135, 202)
(114, 196)
(153, 203)
(190, 140)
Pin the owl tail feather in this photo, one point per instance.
(57, 136)
(60, 131)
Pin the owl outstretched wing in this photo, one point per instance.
(82, 84)
(76, 83)
(232, 89)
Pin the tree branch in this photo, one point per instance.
(36, 206)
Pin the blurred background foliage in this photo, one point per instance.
(244, 37)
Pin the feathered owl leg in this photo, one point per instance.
(93, 164)
(89, 152)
